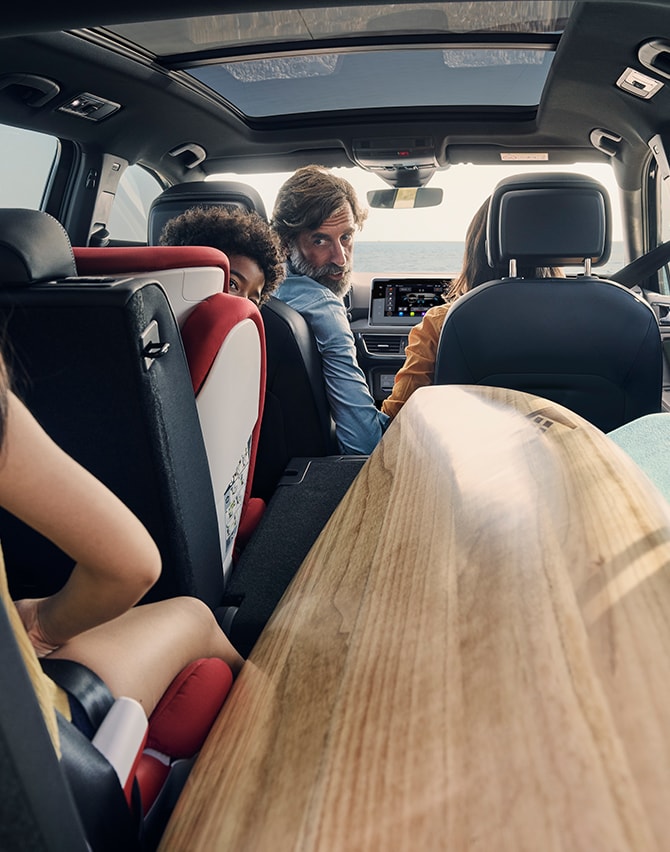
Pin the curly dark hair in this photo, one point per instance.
(310, 196)
(232, 231)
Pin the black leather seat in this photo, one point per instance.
(296, 415)
(584, 342)
(80, 356)
(175, 199)
(37, 807)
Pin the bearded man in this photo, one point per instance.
(316, 216)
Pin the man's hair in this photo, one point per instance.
(309, 197)
(232, 231)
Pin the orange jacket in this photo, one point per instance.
(420, 354)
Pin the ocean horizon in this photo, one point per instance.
(440, 258)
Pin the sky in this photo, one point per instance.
(465, 188)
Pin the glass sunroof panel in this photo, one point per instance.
(454, 54)
(240, 30)
(380, 78)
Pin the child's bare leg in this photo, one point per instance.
(139, 653)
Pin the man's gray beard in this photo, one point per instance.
(298, 264)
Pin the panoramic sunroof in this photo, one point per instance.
(380, 78)
(458, 54)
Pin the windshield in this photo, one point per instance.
(429, 240)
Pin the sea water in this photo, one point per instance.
(441, 258)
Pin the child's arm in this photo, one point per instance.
(116, 559)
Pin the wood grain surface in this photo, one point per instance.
(475, 654)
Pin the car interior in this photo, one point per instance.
(209, 417)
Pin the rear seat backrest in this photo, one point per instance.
(224, 342)
(77, 358)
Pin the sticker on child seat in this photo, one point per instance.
(234, 496)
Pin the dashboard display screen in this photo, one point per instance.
(404, 301)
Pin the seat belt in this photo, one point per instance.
(640, 269)
(90, 690)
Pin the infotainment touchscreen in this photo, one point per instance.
(404, 301)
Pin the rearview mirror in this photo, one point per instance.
(405, 197)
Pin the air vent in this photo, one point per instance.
(90, 106)
(384, 344)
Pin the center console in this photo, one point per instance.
(395, 305)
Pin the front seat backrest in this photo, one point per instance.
(174, 200)
(296, 417)
(582, 341)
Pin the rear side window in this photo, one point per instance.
(135, 192)
(26, 164)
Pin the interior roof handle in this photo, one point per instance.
(39, 90)
(655, 55)
(605, 141)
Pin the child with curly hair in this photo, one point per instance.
(256, 263)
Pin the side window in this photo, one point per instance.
(26, 163)
(135, 192)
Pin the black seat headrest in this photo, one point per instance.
(34, 247)
(550, 219)
(181, 196)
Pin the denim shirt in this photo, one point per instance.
(358, 423)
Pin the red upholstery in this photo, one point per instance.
(128, 787)
(180, 723)
(151, 775)
(122, 259)
(251, 515)
(203, 333)
(205, 330)
(195, 696)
